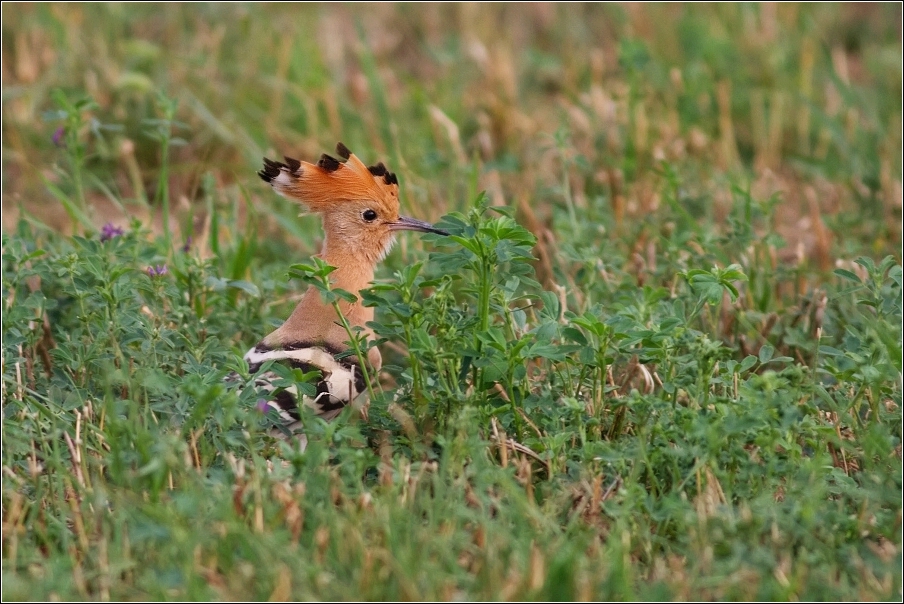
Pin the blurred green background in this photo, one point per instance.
(543, 104)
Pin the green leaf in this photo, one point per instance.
(748, 362)
(846, 274)
(345, 295)
(866, 263)
(245, 286)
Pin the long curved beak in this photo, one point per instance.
(404, 223)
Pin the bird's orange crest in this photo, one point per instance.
(332, 183)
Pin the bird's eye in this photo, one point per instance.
(369, 215)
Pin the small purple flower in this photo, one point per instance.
(58, 135)
(262, 405)
(157, 271)
(109, 231)
(187, 246)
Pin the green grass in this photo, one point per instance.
(659, 358)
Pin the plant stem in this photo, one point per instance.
(356, 347)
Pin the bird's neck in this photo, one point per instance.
(314, 322)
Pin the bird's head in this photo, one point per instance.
(359, 204)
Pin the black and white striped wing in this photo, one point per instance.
(341, 380)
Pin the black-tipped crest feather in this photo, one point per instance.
(329, 163)
(270, 170)
(292, 164)
(343, 151)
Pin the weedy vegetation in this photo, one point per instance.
(659, 356)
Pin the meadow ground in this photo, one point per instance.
(660, 358)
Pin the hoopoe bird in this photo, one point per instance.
(360, 210)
